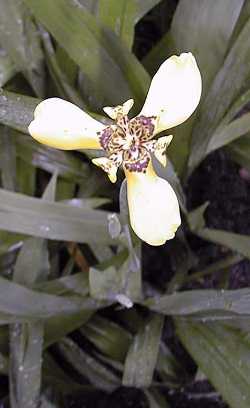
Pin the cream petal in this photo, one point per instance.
(153, 207)
(61, 124)
(114, 111)
(160, 149)
(174, 92)
(108, 166)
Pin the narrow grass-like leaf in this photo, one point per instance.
(198, 27)
(88, 367)
(17, 110)
(27, 215)
(7, 68)
(223, 355)
(142, 355)
(239, 127)
(211, 302)
(111, 339)
(239, 151)
(65, 89)
(65, 163)
(20, 39)
(101, 57)
(26, 340)
(120, 17)
(28, 304)
(226, 87)
(236, 242)
(8, 159)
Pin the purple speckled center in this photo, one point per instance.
(128, 141)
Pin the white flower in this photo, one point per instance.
(173, 96)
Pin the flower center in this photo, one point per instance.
(128, 142)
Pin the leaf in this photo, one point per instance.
(26, 305)
(20, 39)
(217, 350)
(65, 89)
(26, 340)
(122, 285)
(8, 159)
(142, 355)
(205, 302)
(65, 163)
(198, 27)
(120, 17)
(111, 339)
(110, 62)
(240, 151)
(28, 215)
(196, 218)
(88, 367)
(229, 133)
(226, 87)
(236, 242)
(7, 68)
(17, 110)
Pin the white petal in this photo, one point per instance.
(174, 92)
(153, 207)
(61, 124)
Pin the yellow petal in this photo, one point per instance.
(108, 166)
(61, 124)
(153, 207)
(123, 110)
(160, 149)
(174, 92)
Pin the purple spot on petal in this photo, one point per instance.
(105, 136)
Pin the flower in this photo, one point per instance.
(173, 96)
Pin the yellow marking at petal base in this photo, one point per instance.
(160, 149)
(174, 92)
(61, 124)
(124, 109)
(108, 166)
(153, 207)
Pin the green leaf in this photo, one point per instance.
(111, 339)
(236, 242)
(196, 218)
(20, 39)
(239, 151)
(110, 62)
(207, 302)
(8, 159)
(219, 351)
(142, 355)
(120, 17)
(25, 364)
(26, 305)
(229, 133)
(26, 340)
(226, 87)
(65, 89)
(65, 163)
(7, 68)
(17, 110)
(198, 26)
(28, 215)
(88, 366)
